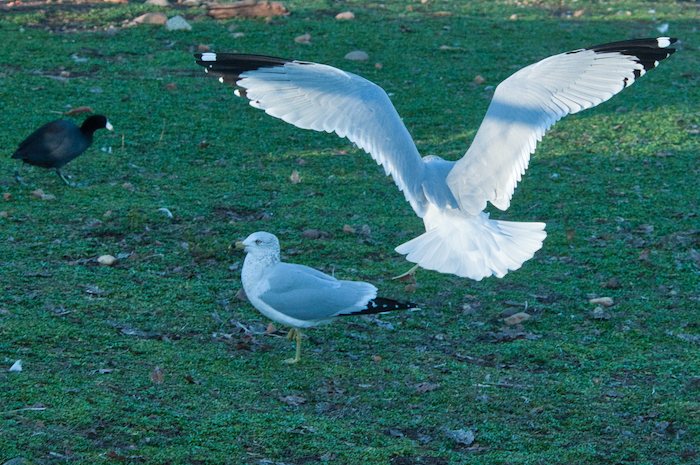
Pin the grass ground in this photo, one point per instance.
(146, 361)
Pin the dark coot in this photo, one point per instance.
(58, 142)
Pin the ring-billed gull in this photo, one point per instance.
(299, 296)
(58, 142)
(460, 237)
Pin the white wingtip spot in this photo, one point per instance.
(656, 63)
(237, 93)
(208, 56)
(663, 42)
(221, 80)
(109, 126)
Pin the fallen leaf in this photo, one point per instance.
(694, 255)
(693, 384)
(426, 387)
(7, 196)
(240, 295)
(293, 400)
(270, 328)
(612, 283)
(314, 234)
(461, 436)
(479, 79)
(599, 314)
(517, 318)
(304, 39)
(604, 301)
(156, 375)
(348, 229)
(171, 85)
(295, 177)
(365, 230)
(301, 430)
(410, 288)
(78, 111)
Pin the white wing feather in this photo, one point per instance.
(524, 106)
(323, 98)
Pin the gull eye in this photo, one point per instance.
(258, 241)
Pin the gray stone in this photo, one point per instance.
(177, 23)
(151, 18)
(357, 55)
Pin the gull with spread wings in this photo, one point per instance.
(450, 197)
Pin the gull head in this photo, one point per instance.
(260, 243)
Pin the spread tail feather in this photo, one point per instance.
(475, 247)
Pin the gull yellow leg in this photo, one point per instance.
(294, 333)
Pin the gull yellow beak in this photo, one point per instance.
(238, 245)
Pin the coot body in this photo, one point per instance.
(57, 143)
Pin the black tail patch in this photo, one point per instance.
(382, 305)
(230, 66)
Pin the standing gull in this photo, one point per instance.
(460, 237)
(299, 296)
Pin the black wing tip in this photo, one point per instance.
(237, 62)
(647, 52)
(228, 67)
(382, 305)
(652, 43)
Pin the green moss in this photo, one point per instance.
(585, 391)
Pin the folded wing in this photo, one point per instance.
(307, 294)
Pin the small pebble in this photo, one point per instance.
(517, 318)
(345, 15)
(604, 301)
(357, 55)
(107, 260)
(177, 23)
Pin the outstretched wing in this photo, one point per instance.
(530, 101)
(324, 98)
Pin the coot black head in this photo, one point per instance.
(58, 142)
